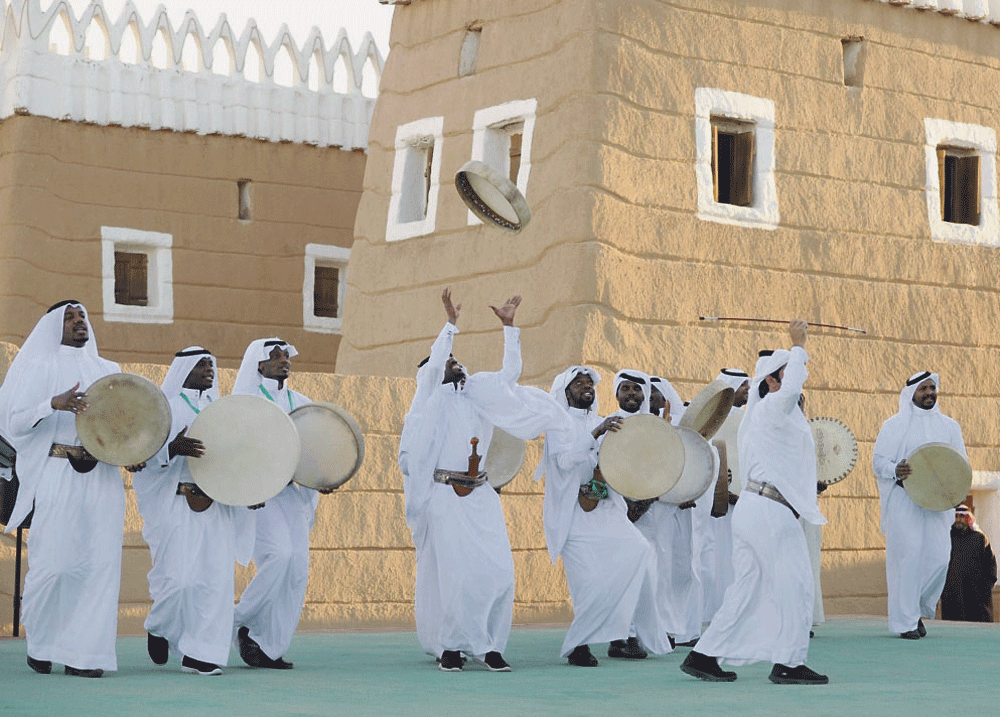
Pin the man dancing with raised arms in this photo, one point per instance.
(191, 581)
(269, 609)
(610, 566)
(75, 542)
(917, 540)
(767, 611)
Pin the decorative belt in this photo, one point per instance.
(61, 450)
(461, 479)
(769, 491)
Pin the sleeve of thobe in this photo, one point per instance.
(431, 373)
(32, 403)
(793, 381)
(512, 365)
(884, 453)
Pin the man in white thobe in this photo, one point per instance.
(610, 567)
(917, 540)
(75, 542)
(767, 611)
(269, 609)
(191, 581)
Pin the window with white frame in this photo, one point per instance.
(501, 138)
(961, 182)
(416, 179)
(137, 276)
(323, 287)
(734, 139)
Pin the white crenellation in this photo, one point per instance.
(144, 78)
(972, 10)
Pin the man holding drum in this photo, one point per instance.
(75, 543)
(269, 608)
(192, 539)
(767, 611)
(610, 566)
(917, 540)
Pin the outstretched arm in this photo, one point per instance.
(506, 312)
(512, 365)
(449, 307)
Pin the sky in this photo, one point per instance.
(355, 16)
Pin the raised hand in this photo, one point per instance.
(797, 330)
(506, 312)
(449, 307)
(72, 400)
(184, 446)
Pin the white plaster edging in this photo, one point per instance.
(407, 186)
(733, 105)
(327, 255)
(985, 480)
(159, 280)
(486, 125)
(983, 141)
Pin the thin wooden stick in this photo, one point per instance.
(779, 321)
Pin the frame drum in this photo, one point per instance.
(251, 450)
(492, 197)
(836, 449)
(709, 409)
(333, 446)
(941, 477)
(127, 419)
(728, 434)
(504, 458)
(642, 459)
(699, 469)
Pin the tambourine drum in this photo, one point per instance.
(728, 435)
(333, 446)
(836, 449)
(504, 458)
(127, 419)
(492, 197)
(708, 409)
(642, 459)
(251, 450)
(698, 472)
(941, 478)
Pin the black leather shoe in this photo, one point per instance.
(279, 664)
(705, 667)
(921, 630)
(42, 667)
(910, 635)
(582, 657)
(158, 648)
(627, 649)
(689, 643)
(495, 663)
(801, 675)
(250, 651)
(82, 672)
(451, 661)
(197, 667)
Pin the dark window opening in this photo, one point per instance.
(958, 175)
(326, 287)
(131, 278)
(732, 162)
(243, 186)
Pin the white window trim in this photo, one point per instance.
(407, 136)
(160, 277)
(709, 102)
(983, 141)
(326, 255)
(489, 120)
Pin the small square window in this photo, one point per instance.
(131, 278)
(732, 161)
(323, 287)
(416, 178)
(958, 177)
(854, 61)
(137, 276)
(326, 291)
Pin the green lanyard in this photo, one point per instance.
(188, 402)
(291, 406)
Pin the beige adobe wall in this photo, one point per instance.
(234, 281)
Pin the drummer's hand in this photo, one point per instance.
(450, 308)
(256, 506)
(903, 470)
(611, 423)
(136, 468)
(72, 400)
(184, 446)
(327, 491)
(797, 330)
(506, 312)
(686, 504)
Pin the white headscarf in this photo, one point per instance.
(673, 398)
(733, 377)
(182, 365)
(767, 364)
(560, 382)
(906, 405)
(636, 377)
(248, 378)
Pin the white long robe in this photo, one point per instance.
(917, 540)
(271, 605)
(610, 567)
(191, 581)
(767, 611)
(70, 607)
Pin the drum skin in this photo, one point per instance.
(333, 446)
(492, 197)
(251, 450)
(642, 459)
(699, 469)
(504, 458)
(127, 419)
(708, 409)
(941, 477)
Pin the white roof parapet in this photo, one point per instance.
(972, 10)
(37, 79)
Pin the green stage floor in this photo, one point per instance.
(956, 668)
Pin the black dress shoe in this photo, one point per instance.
(801, 675)
(582, 657)
(82, 672)
(279, 664)
(158, 648)
(629, 649)
(921, 630)
(197, 667)
(42, 667)
(250, 651)
(689, 643)
(451, 661)
(495, 663)
(910, 635)
(705, 667)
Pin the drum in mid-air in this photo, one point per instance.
(644, 458)
(708, 409)
(127, 419)
(492, 197)
(333, 446)
(251, 450)
(941, 478)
